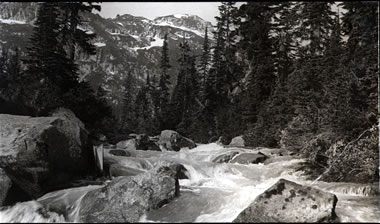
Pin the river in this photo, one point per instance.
(214, 192)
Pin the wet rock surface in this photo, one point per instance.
(225, 158)
(249, 158)
(287, 201)
(126, 199)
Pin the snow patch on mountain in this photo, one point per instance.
(180, 27)
(158, 42)
(135, 36)
(145, 21)
(179, 16)
(12, 21)
(99, 44)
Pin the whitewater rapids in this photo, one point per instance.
(214, 192)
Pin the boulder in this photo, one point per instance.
(173, 141)
(238, 141)
(126, 199)
(127, 144)
(222, 141)
(249, 158)
(225, 158)
(287, 201)
(5, 185)
(40, 154)
(143, 142)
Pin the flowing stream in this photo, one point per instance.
(214, 192)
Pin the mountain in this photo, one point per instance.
(125, 43)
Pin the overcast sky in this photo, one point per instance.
(151, 10)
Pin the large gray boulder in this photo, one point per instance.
(287, 201)
(173, 141)
(249, 158)
(126, 199)
(5, 185)
(40, 154)
(238, 141)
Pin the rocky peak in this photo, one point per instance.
(185, 22)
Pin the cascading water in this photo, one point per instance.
(214, 192)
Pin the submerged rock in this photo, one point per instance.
(42, 153)
(5, 185)
(118, 152)
(238, 141)
(249, 158)
(287, 201)
(126, 199)
(225, 158)
(116, 170)
(139, 142)
(173, 141)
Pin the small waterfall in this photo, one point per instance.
(354, 189)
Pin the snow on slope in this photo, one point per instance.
(99, 44)
(11, 21)
(158, 42)
(179, 16)
(180, 27)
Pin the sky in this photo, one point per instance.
(151, 10)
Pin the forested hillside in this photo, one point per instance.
(296, 75)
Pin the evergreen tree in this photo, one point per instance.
(72, 37)
(144, 110)
(47, 65)
(258, 45)
(129, 123)
(164, 85)
(204, 65)
(315, 22)
(3, 68)
(185, 94)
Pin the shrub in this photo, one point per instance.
(315, 149)
(358, 163)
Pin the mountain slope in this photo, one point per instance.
(125, 43)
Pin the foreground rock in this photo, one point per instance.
(238, 141)
(287, 201)
(173, 141)
(42, 153)
(125, 199)
(5, 185)
(249, 158)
